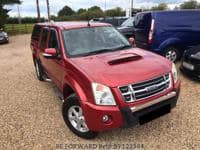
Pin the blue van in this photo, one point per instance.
(168, 33)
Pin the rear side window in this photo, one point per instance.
(44, 38)
(36, 33)
(143, 20)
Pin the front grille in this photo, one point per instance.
(145, 89)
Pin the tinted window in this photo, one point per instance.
(53, 40)
(128, 23)
(36, 33)
(44, 38)
(143, 20)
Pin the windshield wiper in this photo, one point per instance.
(106, 50)
(97, 52)
(123, 47)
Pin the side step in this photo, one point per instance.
(46, 78)
(58, 93)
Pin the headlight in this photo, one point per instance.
(198, 54)
(103, 95)
(174, 73)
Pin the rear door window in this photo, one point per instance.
(36, 33)
(44, 38)
(143, 20)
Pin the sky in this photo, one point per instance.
(28, 7)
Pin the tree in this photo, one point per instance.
(81, 10)
(176, 8)
(4, 12)
(38, 10)
(53, 17)
(95, 8)
(92, 12)
(161, 6)
(65, 11)
(191, 4)
(115, 12)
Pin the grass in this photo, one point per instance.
(13, 29)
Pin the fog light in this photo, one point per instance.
(105, 118)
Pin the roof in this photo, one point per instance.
(73, 25)
(171, 11)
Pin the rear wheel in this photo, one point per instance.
(172, 54)
(38, 70)
(74, 118)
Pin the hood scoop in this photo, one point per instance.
(124, 59)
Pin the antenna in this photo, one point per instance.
(89, 23)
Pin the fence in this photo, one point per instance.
(13, 29)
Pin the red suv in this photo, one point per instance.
(103, 81)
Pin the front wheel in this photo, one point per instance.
(172, 54)
(74, 118)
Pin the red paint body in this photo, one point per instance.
(80, 72)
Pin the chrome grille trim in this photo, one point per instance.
(145, 89)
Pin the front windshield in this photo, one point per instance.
(128, 22)
(92, 40)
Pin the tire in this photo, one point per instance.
(172, 54)
(39, 70)
(76, 121)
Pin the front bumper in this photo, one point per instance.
(149, 111)
(128, 116)
(4, 40)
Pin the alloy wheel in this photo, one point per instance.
(76, 118)
(171, 55)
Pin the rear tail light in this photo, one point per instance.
(150, 40)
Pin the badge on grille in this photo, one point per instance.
(151, 88)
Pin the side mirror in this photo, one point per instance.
(50, 53)
(131, 41)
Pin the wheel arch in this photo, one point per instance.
(171, 42)
(67, 90)
(72, 87)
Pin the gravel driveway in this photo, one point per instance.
(30, 113)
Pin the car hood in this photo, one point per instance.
(1, 34)
(123, 67)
